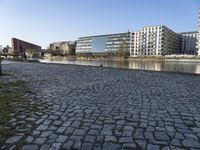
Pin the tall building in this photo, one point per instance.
(189, 43)
(154, 41)
(102, 43)
(19, 46)
(1, 48)
(198, 36)
(149, 41)
(63, 48)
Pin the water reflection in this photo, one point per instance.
(7, 62)
(188, 67)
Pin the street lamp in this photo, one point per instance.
(0, 67)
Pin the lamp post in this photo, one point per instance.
(0, 67)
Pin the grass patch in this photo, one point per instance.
(4, 74)
(9, 93)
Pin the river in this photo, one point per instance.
(172, 66)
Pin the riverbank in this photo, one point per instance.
(171, 66)
(82, 107)
(173, 58)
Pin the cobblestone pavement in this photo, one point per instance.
(98, 108)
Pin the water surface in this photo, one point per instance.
(172, 66)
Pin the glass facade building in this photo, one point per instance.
(102, 43)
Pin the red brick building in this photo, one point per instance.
(19, 46)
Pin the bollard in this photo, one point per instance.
(0, 67)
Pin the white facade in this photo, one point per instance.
(198, 35)
(189, 43)
(84, 45)
(154, 41)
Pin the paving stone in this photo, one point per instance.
(176, 142)
(179, 135)
(40, 141)
(110, 145)
(100, 138)
(50, 141)
(61, 130)
(42, 127)
(89, 138)
(13, 139)
(109, 127)
(46, 133)
(153, 147)
(79, 132)
(196, 130)
(52, 128)
(55, 146)
(128, 128)
(93, 132)
(161, 136)
(191, 143)
(53, 117)
(106, 132)
(170, 128)
(120, 122)
(76, 124)
(57, 123)
(30, 147)
(69, 131)
(149, 136)
(141, 143)
(138, 135)
(67, 124)
(96, 126)
(166, 148)
(77, 144)
(127, 133)
(86, 146)
(68, 145)
(125, 139)
(53, 136)
(110, 139)
(29, 139)
(45, 147)
(129, 146)
(97, 147)
(61, 138)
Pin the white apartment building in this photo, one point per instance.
(189, 43)
(154, 41)
(198, 35)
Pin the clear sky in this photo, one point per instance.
(45, 21)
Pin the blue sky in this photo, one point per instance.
(46, 21)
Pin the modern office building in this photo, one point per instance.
(19, 46)
(198, 35)
(189, 43)
(102, 43)
(63, 48)
(154, 41)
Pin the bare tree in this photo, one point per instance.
(123, 50)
